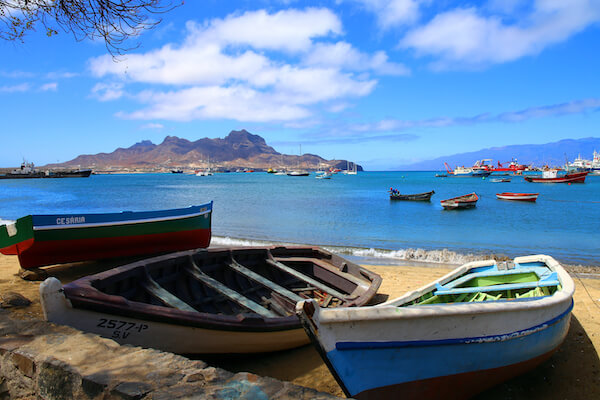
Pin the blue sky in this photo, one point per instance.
(380, 82)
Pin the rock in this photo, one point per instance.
(33, 274)
(13, 299)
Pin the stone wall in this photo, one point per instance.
(39, 360)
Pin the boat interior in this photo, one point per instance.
(265, 281)
(504, 281)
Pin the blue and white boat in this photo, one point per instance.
(479, 325)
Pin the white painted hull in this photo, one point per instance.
(167, 337)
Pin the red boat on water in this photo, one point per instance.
(552, 176)
(460, 202)
(517, 196)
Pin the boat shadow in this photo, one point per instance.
(572, 372)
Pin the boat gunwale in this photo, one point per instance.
(84, 296)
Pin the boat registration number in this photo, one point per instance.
(121, 329)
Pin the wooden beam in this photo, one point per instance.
(231, 294)
(233, 264)
(321, 286)
(165, 296)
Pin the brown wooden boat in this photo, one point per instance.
(460, 202)
(222, 300)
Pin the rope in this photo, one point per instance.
(587, 291)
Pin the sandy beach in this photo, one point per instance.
(573, 372)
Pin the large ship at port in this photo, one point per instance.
(28, 170)
(513, 167)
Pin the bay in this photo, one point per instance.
(349, 214)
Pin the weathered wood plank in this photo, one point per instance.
(263, 281)
(165, 296)
(307, 279)
(231, 294)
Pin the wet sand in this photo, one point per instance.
(573, 372)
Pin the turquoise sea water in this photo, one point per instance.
(351, 215)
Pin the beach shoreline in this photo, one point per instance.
(573, 372)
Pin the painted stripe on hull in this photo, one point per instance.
(63, 251)
(458, 387)
(362, 370)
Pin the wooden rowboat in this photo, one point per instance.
(517, 196)
(222, 300)
(40, 240)
(460, 202)
(396, 195)
(480, 325)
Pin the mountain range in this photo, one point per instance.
(239, 149)
(553, 154)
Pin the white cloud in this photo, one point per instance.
(344, 55)
(23, 87)
(393, 13)
(108, 91)
(465, 36)
(53, 86)
(152, 125)
(250, 67)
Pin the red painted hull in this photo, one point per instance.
(578, 177)
(41, 253)
(461, 386)
(518, 196)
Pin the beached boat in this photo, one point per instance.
(464, 201)
(396, 195)
(480, 325)
(517, 196)
(223, 300)
(552, 176)
(40, 240)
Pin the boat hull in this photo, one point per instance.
(432, 351)
(578, 177)
(42, 240)
(413, 197)
(518, 196)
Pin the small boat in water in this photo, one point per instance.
(40, 240)
(479, 325)
(517, 196)
(496, 180)
(552, 176)
(396, 195)
(221, 300)
(460, 202)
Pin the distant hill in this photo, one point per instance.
(239, 149)
(536, 154)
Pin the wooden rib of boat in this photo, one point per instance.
(425, 196)
(517, 196)
(553, 177)
(480, 325)
(460, 202)
(223, 300)
(40, 240)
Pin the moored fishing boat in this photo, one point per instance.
(479, 325)
(552, 176)
(460, 202)
(40, 240)
(396, 195)
(517, 196)
(500, 180)
(223, 300)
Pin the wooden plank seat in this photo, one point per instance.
(508, 286)
(323, 264)
(306, 278)
(166, 297)
(233, 264)
(231, 294)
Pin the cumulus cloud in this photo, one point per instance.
(251, 67)
(393, 13)
(466, 36)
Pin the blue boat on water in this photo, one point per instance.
(481, 324)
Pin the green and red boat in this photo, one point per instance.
(40, 240)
